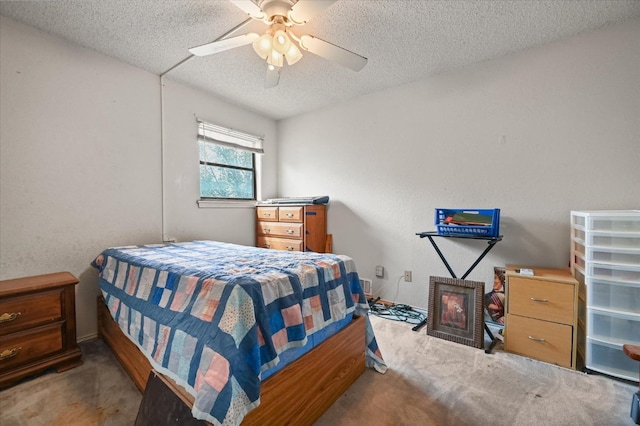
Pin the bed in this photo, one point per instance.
(243, 334)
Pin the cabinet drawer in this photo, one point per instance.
(541, 299)
(291, 214)
(269, 214)
(288, 230)
(23, 347)
(541, 340)
(21, 312)
(280, 244)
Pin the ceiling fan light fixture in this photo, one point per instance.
(276, 59)
(263, 45)
(293, 55)
(281, 42)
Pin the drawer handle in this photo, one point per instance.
(535, 299)
(266, 214)
(289, 214)
(289, 231)
(266, 230)
(537, 339)
(6, 317)
(267, 246)
(290, 248)
(9, 353)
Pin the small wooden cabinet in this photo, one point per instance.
(292, 227)
(37, 326)
(541, 315)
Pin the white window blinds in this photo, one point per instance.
(212, 133)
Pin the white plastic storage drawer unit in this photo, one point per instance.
(605, 260)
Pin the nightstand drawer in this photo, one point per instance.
(542, 340)
(21, 312)
(546, 300)
(280, 244)
(288, 230)
(24, 347)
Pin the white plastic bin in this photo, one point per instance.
(610, 272)
(613, 239)
(613, 295)
(613, 327)
(611, 360)
(607, 220)
(613, 255)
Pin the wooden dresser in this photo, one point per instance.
(292, 227)
(542, 315)
(37, 326)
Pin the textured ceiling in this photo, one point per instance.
(404, 41)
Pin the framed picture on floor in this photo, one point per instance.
(494, 300)
(456, 310)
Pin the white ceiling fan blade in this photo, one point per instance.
(249, 7)
(248, 26)
(273, 77)
(332, 52)
(304, 10)
(225, 44)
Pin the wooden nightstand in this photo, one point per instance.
(541, 315)
(37, 326)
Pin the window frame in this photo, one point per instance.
(231, 139)
(227, 166)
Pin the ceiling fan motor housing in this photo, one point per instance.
(276, 8)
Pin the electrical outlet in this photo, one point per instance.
(365, 283)
(407, 276)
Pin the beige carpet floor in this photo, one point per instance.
(430, 382)
(96, 393)
(436, 382)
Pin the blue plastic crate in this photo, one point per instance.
(474, 230)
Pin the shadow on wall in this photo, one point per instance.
(534, 243)
(87, 292)
(352, 236)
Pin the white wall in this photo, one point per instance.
(537, 134)
(184, 219)
(81, 161)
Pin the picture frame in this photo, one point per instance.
(456, 310)
(494, 300)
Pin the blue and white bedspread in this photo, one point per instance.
(215, 316)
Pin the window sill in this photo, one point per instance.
(226, 204)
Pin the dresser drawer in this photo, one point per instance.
(546, 300)
(21, 312)
(23, 347)
(291, 214)
(279, 229)
(542, 340)
(280, 244)
(267, 214)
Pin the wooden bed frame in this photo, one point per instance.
(298, 394)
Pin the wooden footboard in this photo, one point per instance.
(298, 394)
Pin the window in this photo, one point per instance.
(227, 163)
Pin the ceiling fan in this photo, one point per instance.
(270, 30)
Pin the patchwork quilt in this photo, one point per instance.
(216, 317)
